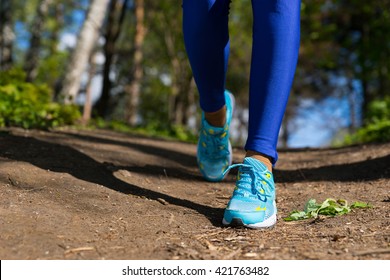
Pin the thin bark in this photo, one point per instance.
(133, 90)
(114, 27)
(181, 82)
(175, 105)
(7, 35)
(191, 99)
(85, 43)
(285, 133)
(352, 107)
(87, 110)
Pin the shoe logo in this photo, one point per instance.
(261, 208)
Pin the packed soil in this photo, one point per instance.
(97, 194)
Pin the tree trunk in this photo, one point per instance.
(367, 97)
(7, 35)
(85, 42)
(365, 77)
(285, 133)
(87, 110)
(133, 90)
(176, 112)
(114, 27)
(32, 57)
(191, 108)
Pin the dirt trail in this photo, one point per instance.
(72, 194)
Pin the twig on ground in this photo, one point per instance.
(200, 236)
(80, 249)
(162, 201)
(232, 254)
(171, 219)
(210, 246)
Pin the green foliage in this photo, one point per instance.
(153, 129)
(372, 133)
(169, 131)
(339, 38)
(51, 68)
(29, 106)
(379, 110)
(330, 207)
(378, 127)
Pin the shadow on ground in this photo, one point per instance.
(370, 169)
(87, 169)
(63, 158)
(358, 171)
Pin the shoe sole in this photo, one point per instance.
(237, 222)
(266, 224)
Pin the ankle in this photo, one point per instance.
(218, 118)
(264, 159)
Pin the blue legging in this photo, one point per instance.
(276, 32)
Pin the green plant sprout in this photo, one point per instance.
(330, 207)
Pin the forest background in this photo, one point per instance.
(121, 64)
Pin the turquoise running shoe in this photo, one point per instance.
(214, 153)
(253, 202)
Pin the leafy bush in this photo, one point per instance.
(378, 131)
(378, 127)
(379, 110)
(29, 106)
